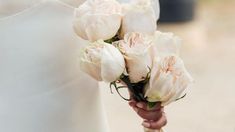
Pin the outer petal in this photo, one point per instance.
(156, 7)
(160, 85)
(153, 3)
(79, 26)
(136, 49)
(183, 83)
(91, 69)
(112, 63)
(138, 67)
(138, 19)
(102, 28)
(97, 19)
(168, 80)
(166, 43)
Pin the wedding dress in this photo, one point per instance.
(41, 86)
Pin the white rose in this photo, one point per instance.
(168, 80)
(102, 61)
(136, 49)
(154, 3)
(98, 19)
(139, 17)
(166, 43)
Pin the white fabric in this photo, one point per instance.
(41, 86)
(8, 7)
(74, 3)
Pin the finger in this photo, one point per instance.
(148, 115)
(143, 105)
(156, 124)
(132, 103)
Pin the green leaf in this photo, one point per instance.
(113, 39)
(112, 84)
(151, 104)
(181, 97)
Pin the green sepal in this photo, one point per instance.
(113, 39)
(151, 104)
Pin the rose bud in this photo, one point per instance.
(168, 80)
(102, 61)
(98, 19)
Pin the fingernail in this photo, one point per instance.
(140, 105)
(135, 109)
(146, 124)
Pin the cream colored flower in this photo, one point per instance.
(154, 3)
(98, 19)
(136, 49)
(168, 80)
(139, 16)
(103, 61)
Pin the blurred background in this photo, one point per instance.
(208, 50)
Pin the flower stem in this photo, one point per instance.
(135, 89)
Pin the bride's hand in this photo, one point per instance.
(154, 118)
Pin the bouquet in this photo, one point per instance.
(128, 52)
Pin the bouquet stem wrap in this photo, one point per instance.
(136, 90)
(150, 130)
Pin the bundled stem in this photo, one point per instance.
(135, 89)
